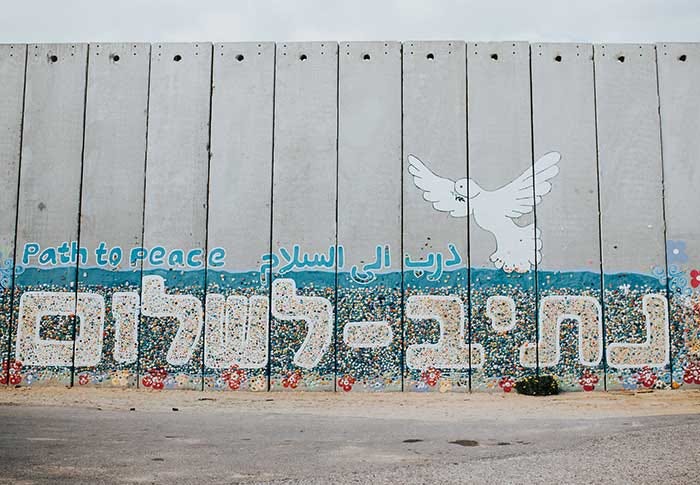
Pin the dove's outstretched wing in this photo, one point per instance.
(440, 191)
(517, 198)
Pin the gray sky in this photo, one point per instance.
(238, 20)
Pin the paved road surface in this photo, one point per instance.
(254, 444)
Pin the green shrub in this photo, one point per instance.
(544, 385)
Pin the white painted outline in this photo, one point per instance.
(647, 342)
(557, 339)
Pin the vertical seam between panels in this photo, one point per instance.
(663, 216)
(74, 319)
(143, 214)
(534, 214)
(401, 216)
(272, 205)
(11, 319)
(468, 235)
(600, 224)
(337, 175)
(206, 218)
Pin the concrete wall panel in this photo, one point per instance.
(434, 217)
(111, 215)
(387, 219)
(49, 199)
(501, 231)
(303, 240)
(171, 334)
(563, 117)
(679, 96)
(369, 326)
(12, 65)
(632, 226)
(240, 197)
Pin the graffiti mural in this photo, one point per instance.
(495, 211)
(358, 217)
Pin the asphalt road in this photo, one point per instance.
(57, 444)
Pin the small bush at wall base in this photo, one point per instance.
(537, 386)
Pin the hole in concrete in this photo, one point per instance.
(412, 440)
(557, 58)
(503, 443)
(53, 58)
(177, 58)
(430, 56)
(365, 57)
(240, 57)
(494, 57)
(465, 442)
(682, 58)
(621, 59)
(115, 57)
(303, 57)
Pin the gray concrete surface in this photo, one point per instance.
(89, 445)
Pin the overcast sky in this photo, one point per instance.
(280, 20)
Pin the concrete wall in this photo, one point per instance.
(381, 216)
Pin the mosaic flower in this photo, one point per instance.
(694, 278)
(676, 252)
(506, 383)
(629, 383)
(377, 386)
(83, 379)
(14, 376)
(346, 382)
(445, 385)
(155, 378)
(292, 379)
(430, 376)
(120, 378)
(420, 386)
(234, 377)
(646, 377)
(588, 380)
(181, 380)
(258, 383)
(691, 373)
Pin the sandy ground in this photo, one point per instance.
(433, 406)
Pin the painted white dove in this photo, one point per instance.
(516, 247)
